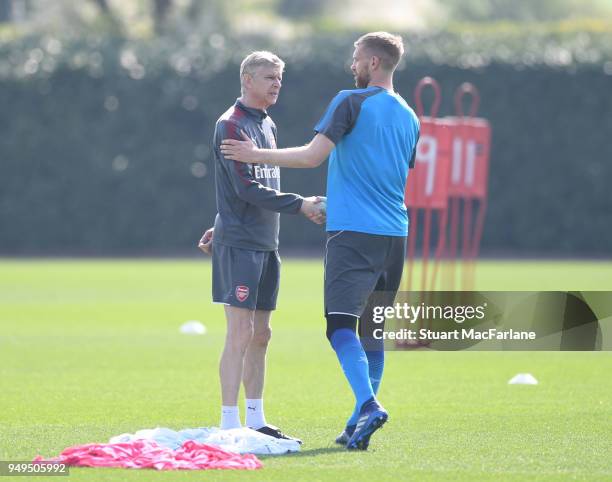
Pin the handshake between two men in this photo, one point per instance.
(315, 209)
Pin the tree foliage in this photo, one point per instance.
(524, 10)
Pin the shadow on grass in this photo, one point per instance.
(306, 453)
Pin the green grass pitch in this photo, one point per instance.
(91, 349)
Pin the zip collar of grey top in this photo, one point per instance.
(257, 114)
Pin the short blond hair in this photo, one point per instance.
(384, 45)
(261, 58)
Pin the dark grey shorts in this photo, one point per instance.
(356, 265)
(245, 278)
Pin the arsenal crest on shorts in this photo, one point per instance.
(242, 293)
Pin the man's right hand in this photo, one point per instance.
(314, 209)
(205, 243)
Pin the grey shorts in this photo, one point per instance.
(245, 278)
(356, 265)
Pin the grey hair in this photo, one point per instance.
(261, 58)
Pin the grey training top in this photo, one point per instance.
(248, 195)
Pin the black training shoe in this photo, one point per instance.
(371, 418)
(275, 432)
(344, 437)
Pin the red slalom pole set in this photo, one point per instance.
(446, 192)
(468, 187)
(427, 187)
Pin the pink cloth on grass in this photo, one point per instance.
(141, 454)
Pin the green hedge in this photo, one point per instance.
(99, 139)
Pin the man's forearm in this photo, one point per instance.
(310, 155)
(297, 157)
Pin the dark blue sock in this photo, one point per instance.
(376, 364)
(354, 363)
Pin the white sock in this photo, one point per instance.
(255, 418)
(230, 417)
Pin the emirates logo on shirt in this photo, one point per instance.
(242, 293)
(265, 172)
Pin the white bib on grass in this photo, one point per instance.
(239, 440)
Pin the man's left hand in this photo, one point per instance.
(241, 151)
(206, 241)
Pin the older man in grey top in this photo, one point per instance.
(246, 264)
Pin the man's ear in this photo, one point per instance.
(374, 62)
(247, 80)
